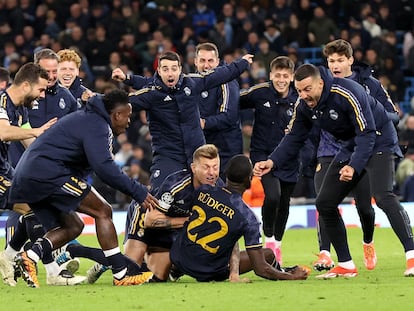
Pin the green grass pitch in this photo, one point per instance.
(384, 288)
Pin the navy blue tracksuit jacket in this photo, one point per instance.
(347, 112)
(271, 118)
(75, 145)
(173, 113)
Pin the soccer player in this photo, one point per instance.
(57, 102)
(273, 103)
(51, 178)
(29, 84)
(344, 109)
(341, 64)
(155, 229)
(218, 219)
(171, 102)
(68, 75)
(219, 108)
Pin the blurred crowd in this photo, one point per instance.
(130, 34)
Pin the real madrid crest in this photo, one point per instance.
(141, 233)
(62, 103)
(333, 114)
(82, 185)
(187, 91)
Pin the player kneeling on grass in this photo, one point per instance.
(219, 218)
(153, 231)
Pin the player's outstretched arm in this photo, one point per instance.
(234, 275)
(264, 270)
(249, 58)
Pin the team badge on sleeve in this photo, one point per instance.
(165, 201)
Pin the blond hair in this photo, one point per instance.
(208, 151)
(67, 55)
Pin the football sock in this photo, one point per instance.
(34, 228)
(95, 254)
(52, 268)
(117, 262)
(347, 264)
(20, 235)
(10, 252)
(42, 248)
(409, 255)
(326, 253)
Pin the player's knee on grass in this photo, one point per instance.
(159, 263)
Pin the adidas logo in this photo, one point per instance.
(167, 98)
(266, 104)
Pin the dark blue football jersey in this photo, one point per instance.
(175, 197)
(219, 218)
(176, 194)
(17, 116)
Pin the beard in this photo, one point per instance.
(28, 101)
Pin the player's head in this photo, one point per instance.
(281, 74)
(169, 68)
(4, 78)
(68, 67)
(338, 54)
(31, 79)
(239, 171)
(206, 57)
(309, 84)
(206, 165)
(117, 105)
(48, 60)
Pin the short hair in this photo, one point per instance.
(45, 54)
(207, 46)
(114, 99)
(31, 73)
(208, 151)
(4, 75)
(169, 56)
(282, 62)
(340, 47)
(239, 169)
(68, 55)
(305, 71)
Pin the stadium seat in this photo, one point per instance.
(405, 106)
(409, 81)
(311, 55)
(409, 93)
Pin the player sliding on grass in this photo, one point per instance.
(218, 220)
